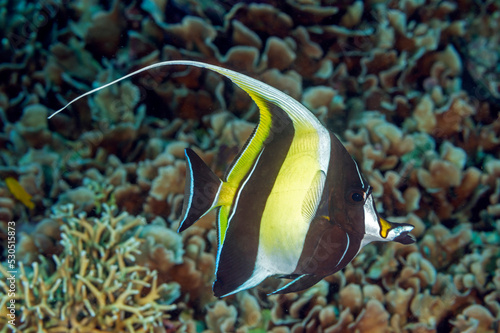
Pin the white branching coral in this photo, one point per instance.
(95, 284)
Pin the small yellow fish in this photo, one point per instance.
(19, 192)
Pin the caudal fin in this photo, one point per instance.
(200, 193)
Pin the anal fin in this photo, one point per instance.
(302, 282)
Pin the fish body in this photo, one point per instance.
(293, 204)
(19, 192)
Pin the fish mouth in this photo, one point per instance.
(404, 236)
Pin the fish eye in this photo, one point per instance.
(357, 197)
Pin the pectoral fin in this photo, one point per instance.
(313, 196)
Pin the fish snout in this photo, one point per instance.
(400, 233)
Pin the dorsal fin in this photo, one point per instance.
(267, 98)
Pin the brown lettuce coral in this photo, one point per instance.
(412, 88)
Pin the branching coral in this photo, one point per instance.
(95, 284)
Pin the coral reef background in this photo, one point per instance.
(411, 87)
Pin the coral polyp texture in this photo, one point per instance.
(95, 284)
(412, 88)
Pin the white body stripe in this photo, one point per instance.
(372, 227)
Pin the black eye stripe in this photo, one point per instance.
(358, 195)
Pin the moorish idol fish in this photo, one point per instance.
(293, 204)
